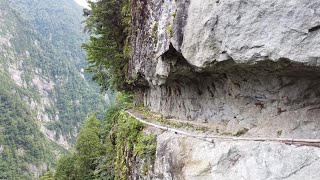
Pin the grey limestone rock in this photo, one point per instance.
(247, 64)
(185, 158)
(252, 64)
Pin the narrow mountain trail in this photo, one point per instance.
(206, 131)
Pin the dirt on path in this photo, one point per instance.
(206, 132)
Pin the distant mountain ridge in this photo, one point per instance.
(44, 96)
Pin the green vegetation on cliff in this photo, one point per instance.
(108, 22)
(110, 149)
(22, 146)
(88, 147)
(44, 96)
(57, 30)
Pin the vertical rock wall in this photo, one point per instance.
(234, 62)
(250, 65)
(185, 158)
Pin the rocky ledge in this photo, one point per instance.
(185, 158)
(247, 64)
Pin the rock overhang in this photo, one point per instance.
(232, 59)
(207, 32)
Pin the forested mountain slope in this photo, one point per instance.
(44, 95)
(242, 69)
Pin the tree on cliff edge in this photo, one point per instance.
(80, 165)
(108, 23)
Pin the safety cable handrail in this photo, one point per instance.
(310, 142)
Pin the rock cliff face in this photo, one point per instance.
(245, 64)
(44, 96)
(185, 158)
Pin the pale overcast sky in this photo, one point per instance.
(82, 3)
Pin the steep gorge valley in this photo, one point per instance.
(190, 90)
(44, 95)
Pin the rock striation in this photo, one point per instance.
(186, 158)
(248, 64)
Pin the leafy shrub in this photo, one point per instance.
(111, 150)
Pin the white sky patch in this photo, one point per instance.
(82, 3)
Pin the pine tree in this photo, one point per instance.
(108, 23)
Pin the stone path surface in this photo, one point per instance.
(202, 130)
(194, 152)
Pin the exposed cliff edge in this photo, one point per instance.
(189, 151)
(250, 65)
(182, 158)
